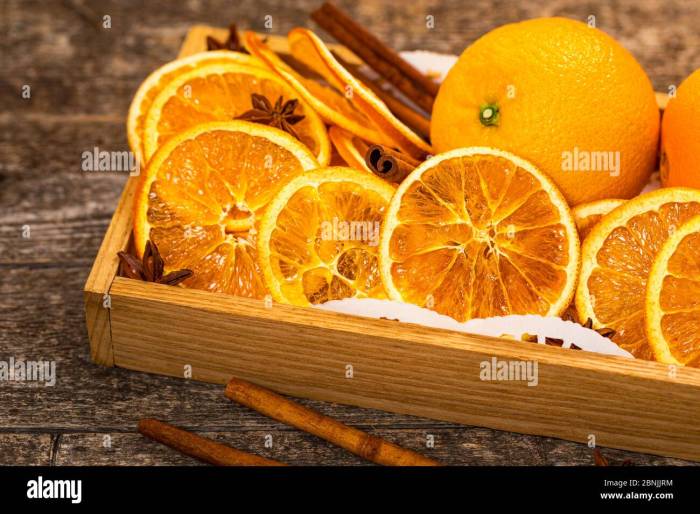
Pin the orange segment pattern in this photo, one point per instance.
(680, 301)
(479, 237)
(206, 202)
(324, 244)
(617, 285)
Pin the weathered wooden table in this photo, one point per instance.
(82, 69)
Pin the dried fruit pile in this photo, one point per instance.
(299, 177)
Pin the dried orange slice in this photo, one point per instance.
(672, 306)
(617, 256)
(222, 92)
(309, 49)
(319, 237)
(587, 215)
(349, 147)
(335, 108)
(478, 232)
(202, 197)
(157, 80)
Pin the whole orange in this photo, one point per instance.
(565, 96)
(680, 136)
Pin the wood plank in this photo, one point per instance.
(22, 449)
(36, 144)
(405, 368)
(79, 67)
(82, 76)
(461, 447)
(65, 209)
(76, 65)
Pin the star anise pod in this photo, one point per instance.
(151, 267)
(570, 316)
(231, 43)
(281, 115)
(603, 331)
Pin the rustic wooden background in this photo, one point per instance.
(82, 77)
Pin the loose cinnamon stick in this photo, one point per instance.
(416, 121)
(360, 443)
(200, 447)
(388, 164)
(385, 61)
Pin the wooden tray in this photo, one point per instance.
(621, 403)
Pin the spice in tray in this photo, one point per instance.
(232, 42)
(391, 165)
(280, 115)
(150, 268)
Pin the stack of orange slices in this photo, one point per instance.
(618, 255)
(255, 210)
(672, 304)
(222, 196)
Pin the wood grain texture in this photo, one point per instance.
(405, 368)
(82, 77)
(102, 273)
(36, 449)
(78, 66)
(202, 448)
(466, 446)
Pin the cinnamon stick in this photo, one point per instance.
(388, 164)
(360, 443)
(416, 121)
(200, 447)
(385, 61)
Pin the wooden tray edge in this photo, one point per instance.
(405, 368)
(104, 269)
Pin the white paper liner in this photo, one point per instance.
(432, 64)
(515, 326)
